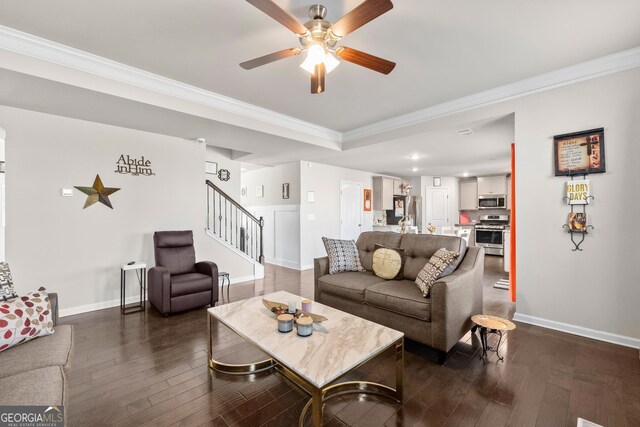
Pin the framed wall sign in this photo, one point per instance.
(437, 181)
(578, 192)
(211, 168)
(260, 191)
(579, 152)
(367, 200)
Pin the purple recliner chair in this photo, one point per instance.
(178, 282)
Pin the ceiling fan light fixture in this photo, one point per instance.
(316, 54)
(330, 62)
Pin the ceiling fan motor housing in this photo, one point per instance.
(318, 29)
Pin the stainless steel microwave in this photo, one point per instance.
(497, 201)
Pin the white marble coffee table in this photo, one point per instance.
(336, 347)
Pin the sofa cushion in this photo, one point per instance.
(45, 351)
(401, 297)
(25, 318)
(343, 255)
(419, 248)
(43, 386)
(349, 285)
(367, 241)
(432, 270)
(190, 283)
(388, 262)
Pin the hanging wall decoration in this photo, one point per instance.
(285, 190)
(131, 165)
(578, 192)
(579, 153)
(224, 175)
(367, 200)
(211, 168)
(97, 193)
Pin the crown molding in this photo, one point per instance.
(46, 50)
(38, 48)
(620, 61)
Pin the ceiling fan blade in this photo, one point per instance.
(318, 78)
(365, 12)
(277, 13)
(365, 60)
(275, 56)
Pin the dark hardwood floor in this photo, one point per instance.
(143, 369)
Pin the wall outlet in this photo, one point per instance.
(66, 192)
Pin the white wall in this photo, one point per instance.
(53, 241)
(324, 180)
(594, 292)
(272, 179)
(222, 157)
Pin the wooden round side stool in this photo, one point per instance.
(488, 324)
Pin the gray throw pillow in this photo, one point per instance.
(432, 269)
(343, 255)
(456, 262)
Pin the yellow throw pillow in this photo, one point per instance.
(388, 262)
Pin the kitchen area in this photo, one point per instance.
(479, 210)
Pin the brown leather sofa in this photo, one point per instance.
(178, 282)
(438, 321)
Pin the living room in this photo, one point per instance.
(111, 136)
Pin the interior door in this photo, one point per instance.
(437, 206)
(350, 210)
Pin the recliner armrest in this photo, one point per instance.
(159, 284)
(210, 269)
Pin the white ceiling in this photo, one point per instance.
(444, 50)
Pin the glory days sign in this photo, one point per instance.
(131, 165)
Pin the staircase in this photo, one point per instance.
(230, 223)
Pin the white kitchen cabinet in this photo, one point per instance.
(468, 197)
(397, 188)
(382, 193)
(492, 185)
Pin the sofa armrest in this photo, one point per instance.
(55, 310)
(455, 298)
(159, 283)
(320, 268)
(210, 269)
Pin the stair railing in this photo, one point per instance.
(232, 223)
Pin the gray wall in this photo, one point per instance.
(52, 241)
(272, 179)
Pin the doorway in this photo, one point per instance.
(437, 206)
(350, 210)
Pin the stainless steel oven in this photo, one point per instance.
(490, 233)
(491, 240)
(498, 201)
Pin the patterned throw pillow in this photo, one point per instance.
(388, 262)
(431, 271)
(343, 255)
(24, 319)
(6, 283)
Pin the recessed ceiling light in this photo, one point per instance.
(465, 174)
(414, 156)
(464, 132)
(414, 169)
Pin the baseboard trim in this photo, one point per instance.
(283, 263)
(79, 309)
(307, 267)
(64, 312)
(578, 330)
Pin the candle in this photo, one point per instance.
(305, 326)
(292, 306)
(306, 305)
(285, 323)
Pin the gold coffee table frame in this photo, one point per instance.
(318, 394)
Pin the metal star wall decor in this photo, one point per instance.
(97, 193)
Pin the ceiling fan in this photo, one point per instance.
(319, 37)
